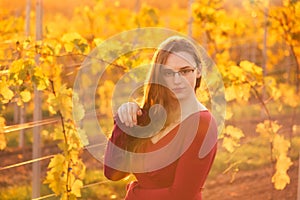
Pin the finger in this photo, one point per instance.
(139, 112)
(130, 114)
(134, 119)
(125, 115)
(134, 116)
(120, 114)
(122, 111)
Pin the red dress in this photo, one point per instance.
(181, 179)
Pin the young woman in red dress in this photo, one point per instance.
(170, 141)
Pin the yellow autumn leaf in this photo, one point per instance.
(74, 41)
(2, 136)
(2, 124)
(238, 72)
(40, 79)
(238, 92)
(272, 87)
(275, 92)
(3, 142)
(76, 186)
(56, 162)
(62, 102)
(281, 178)
(275, 127)
(81, 169)
(230, 93)
(98, 41)
(280, 145)
(83, 137)
(234, 132)
(289, 95)
(78, 109)
(16, 67)
(229, 113)
(243, 91)
(68, 37)
(58, 134)
(251, 67)
(231, 137)
(52, 101)
(283, 163)
(25, 95)
(4, 89)
(268, 128)
(229, 144)
(78, 112)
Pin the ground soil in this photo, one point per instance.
(251, 185)
(247, 185)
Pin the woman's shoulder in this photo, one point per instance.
(203, 117)
(206, 124)
(207, 120)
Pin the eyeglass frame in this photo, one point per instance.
(190, 71)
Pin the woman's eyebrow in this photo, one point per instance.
(180, 68)
(186, 67)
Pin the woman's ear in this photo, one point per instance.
(198, 73)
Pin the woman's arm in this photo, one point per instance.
(118, 138)
(127, 117)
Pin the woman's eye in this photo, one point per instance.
(185, 71)
(168, 73)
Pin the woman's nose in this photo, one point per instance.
(177, 78)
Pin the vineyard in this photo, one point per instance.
(55, 115)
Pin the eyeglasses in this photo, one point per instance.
(182, 72)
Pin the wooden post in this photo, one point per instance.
(264, 51)
(23, 109)
(298, 191)
(22, 131)
(137, 6)
(37, 113)
(27, 18)
(190, 20)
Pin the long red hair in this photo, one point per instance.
(154, 91)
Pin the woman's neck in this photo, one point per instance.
(187, 108)
(190, 106)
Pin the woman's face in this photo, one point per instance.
(180, 73)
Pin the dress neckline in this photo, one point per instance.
(171, 131)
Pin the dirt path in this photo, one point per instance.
(250, 185)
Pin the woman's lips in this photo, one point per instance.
(178, 89)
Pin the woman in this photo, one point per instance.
(170, 112)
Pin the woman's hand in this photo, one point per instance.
(128, 113)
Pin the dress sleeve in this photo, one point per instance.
(191, 172)
(121, 139)
(118, 138)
